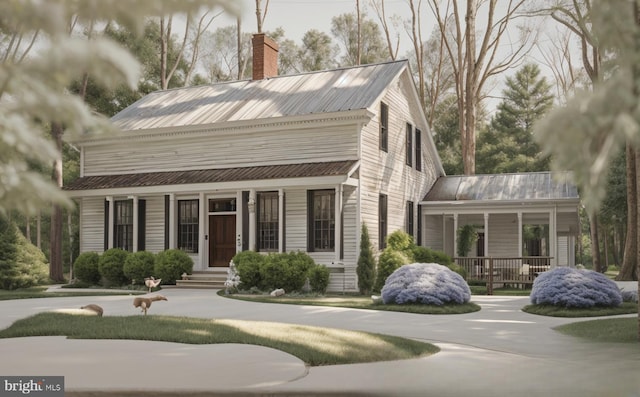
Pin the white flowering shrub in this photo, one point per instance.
(426, 283)
(233, 279)
(569, 287)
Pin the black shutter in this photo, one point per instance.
(245, 220)
(284, 223)
(310, 221)
(142, 208)
(106, 225)
(419, 233)
(166, 221)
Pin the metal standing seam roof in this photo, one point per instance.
(504, 187)
(308, 170)
(292, 95)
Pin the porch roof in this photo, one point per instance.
(529, 186)
(307, 170)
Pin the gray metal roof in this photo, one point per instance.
(301, 94)
(504, 187)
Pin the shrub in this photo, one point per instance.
(458, 269)
(366, 268)
(426, 255)
(427, 283)
(629, 296)
(171, 264)
(388, 262)
(85, 268)
(138, 266)
(568, 287)
(8, 253)
(31, 264)
(248, 265)
(319, 278)
(286, 270)
(400, 241)
(111, 266)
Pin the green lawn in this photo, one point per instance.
(559, 311)
(41, 292)
(618, 330)
(356, 302)
(313, 345)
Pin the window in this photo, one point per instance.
(409, 220)
(267, 216)
(188, 225)
(384, 127)
(382, 221)
(123, 225)
(322, 220)
(418, 150)
(409, 145)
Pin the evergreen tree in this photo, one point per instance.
(366, 263)
(8, 253)
(507, 145)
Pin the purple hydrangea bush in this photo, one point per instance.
(427, 283)
(569, 287)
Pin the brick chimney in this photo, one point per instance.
(265, 57)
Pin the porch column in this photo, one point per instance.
(172, 221)
(553, 238)
(111, 217)
(455, 234)
(252, 219)
(280, 220)
(135, 223)
(486, 234)
(203, 249)
(519, 234)
(338, 223)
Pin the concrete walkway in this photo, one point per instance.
(498, 351)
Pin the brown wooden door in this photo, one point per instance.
(222, 239)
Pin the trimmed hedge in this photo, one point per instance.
(111, 266)
(285, 270)
(171, 264)
(86, 268)
(138, 266)
(248, 264)
(388, 262)
(569, 287)
(426, 283)
(319, 278)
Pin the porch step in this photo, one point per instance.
(212, 280)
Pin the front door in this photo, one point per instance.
(222, 239)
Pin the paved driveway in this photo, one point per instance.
(498, 351)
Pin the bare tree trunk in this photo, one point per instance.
(56, 271)
(27, 231)
(70, 230)
(239, 25)
(39, 230)
(595, 242)
(418, 47)
(628, 271)
(469, 131)
(260, 15)
(393, 52)
(359, 34)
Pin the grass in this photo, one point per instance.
(313, 345)
(616, 330)
(356, 302)
(559, 311)
(41, 292)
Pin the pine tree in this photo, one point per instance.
(366, 263)
(8, 253)
(507, 145)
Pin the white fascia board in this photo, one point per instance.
(261, 184)
(352, 117)
(494, 206)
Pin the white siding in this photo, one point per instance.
(222, 151)
(92, 225)
(433, 233)
(503, 235)
(155, 224)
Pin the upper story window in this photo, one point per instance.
(384, 127)
(188, 225)
(418, 150)
(123, 225)
(267, 216)
(322, 220)
(409, 145)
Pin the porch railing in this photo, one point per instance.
(499, 272)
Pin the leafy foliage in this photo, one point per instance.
(286, 270)
(138, 266)
(8, 253)
(388, 262)
(171, 264)
(399, 241)
(466, 237)
(111, 266)
(569, 287)
(426, 255)
(427, 283)
(248, 264)
(366, 267)
(319, 276)
(22, 265)
(85, 268)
